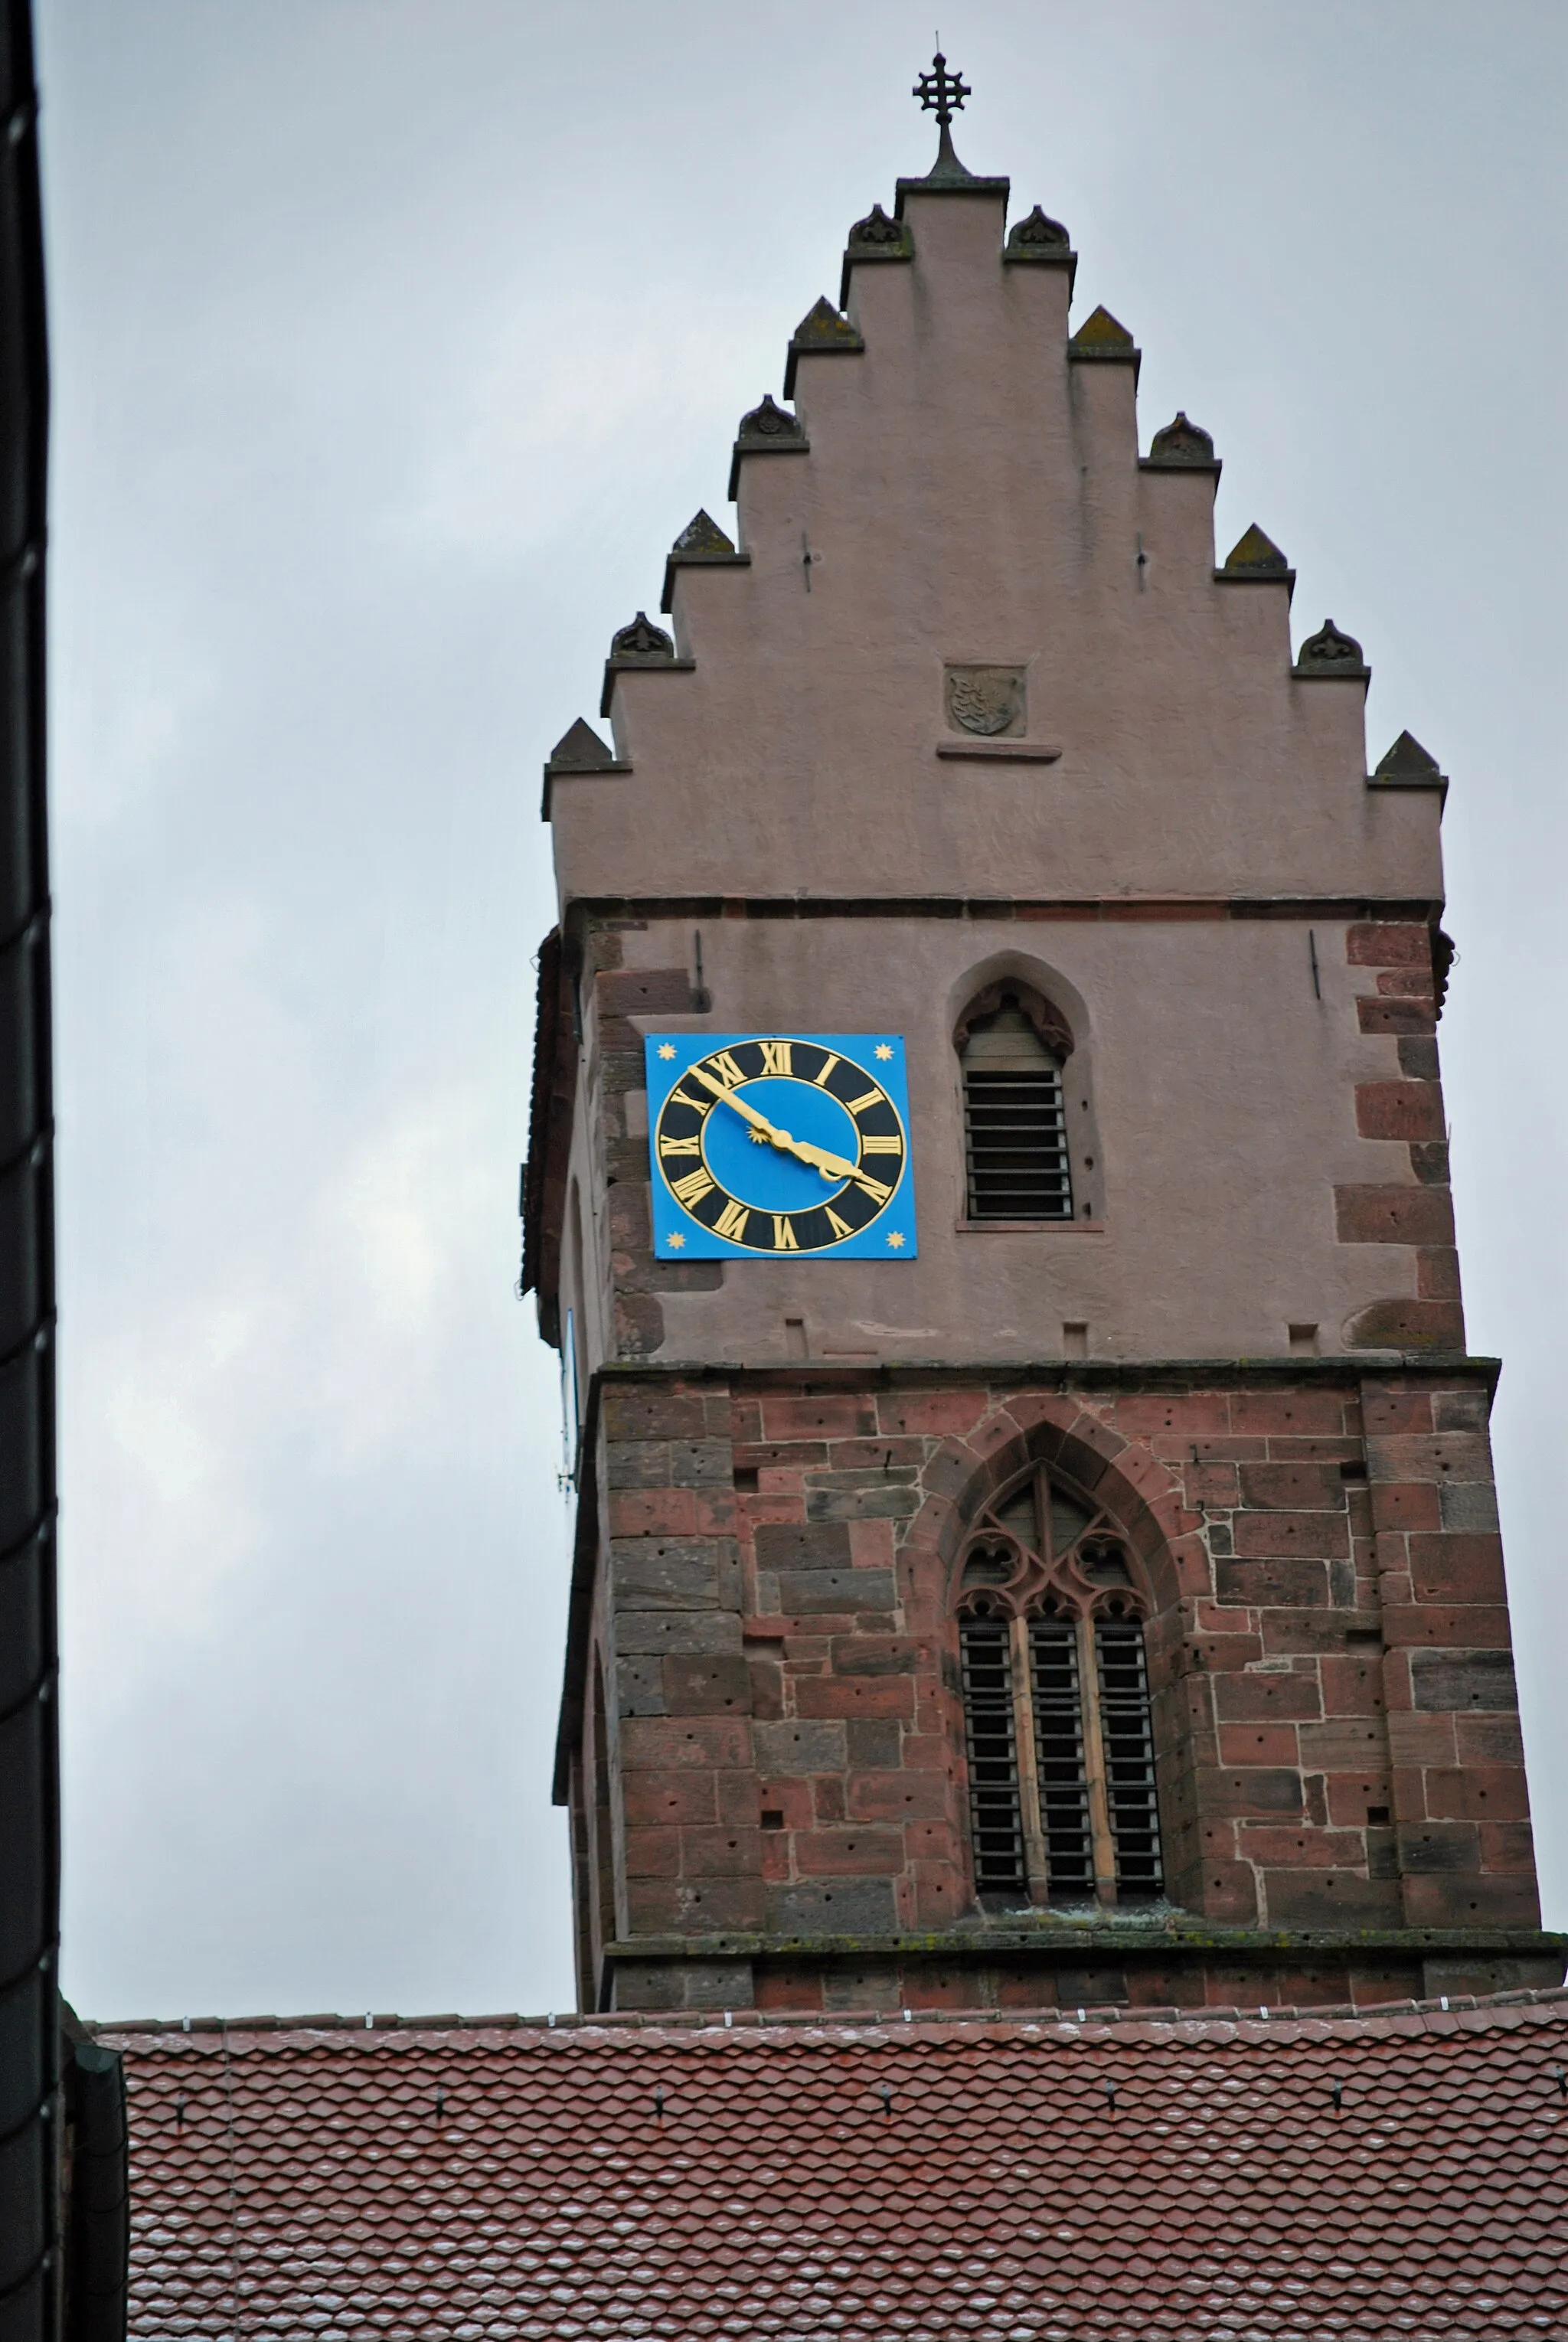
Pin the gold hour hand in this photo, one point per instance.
(832, 1167)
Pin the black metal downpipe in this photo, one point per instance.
(30, 2106)
(95, 2229)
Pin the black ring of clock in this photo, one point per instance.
(843, 1186)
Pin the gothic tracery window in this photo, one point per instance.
(1062, 1797)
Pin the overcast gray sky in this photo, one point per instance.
(394, 342)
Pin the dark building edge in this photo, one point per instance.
(63, 2142)
(31, 2294)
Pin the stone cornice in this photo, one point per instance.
(1127, 1940)
(1070, 1373)
(1419, 910)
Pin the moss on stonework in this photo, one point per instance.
(1255, 551)
(1101, 331)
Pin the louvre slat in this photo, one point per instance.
(994, 1804)
(1129, 1756)
(1015, 1145)
(1059, 1754)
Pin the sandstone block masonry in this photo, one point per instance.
(773, 1686)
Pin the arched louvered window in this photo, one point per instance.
(1058, 1722)
(1015, 1156)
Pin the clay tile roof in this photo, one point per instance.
(1154, 2178)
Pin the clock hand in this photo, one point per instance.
(747, 1112)
(832, 1167)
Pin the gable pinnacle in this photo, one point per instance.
(944, 94)
(942, 90)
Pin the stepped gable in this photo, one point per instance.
(1162, 2174)
(701, 545)
(640, 644)
(822, 332)
(1039, 238)
(578, 752)
(952, 425)
(767, 430)
(875, 237)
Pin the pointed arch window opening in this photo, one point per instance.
(1016, 1158)
(1059, 1729)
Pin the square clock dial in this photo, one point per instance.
(767, 1147)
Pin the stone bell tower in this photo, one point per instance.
(1035, 1536)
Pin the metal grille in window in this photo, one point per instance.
(1014, 1124)
(1059, 1756)
(1127, 1733)
(992, 1757)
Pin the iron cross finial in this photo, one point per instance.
(941, 91)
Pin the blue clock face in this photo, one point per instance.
(771, 1145)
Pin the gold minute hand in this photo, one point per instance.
(832, 1167)
(747, 1112)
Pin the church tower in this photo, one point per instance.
(1035, 1540)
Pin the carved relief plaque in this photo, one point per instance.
(987, 702)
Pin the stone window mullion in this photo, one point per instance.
(1035, 1860)
(1095, 1764)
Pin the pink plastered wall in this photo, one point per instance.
(972, 493)
(1186, 880)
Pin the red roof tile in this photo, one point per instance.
(1179, 2175)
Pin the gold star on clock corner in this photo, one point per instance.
(677, 1242)
(895, 1240)
(884, 1050)
(666, 1050)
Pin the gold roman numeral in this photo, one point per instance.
(731, 1222)
(726, 1065)
(881, 1145)
(840, 1228)
(874, 1187)
(784, 1233)
(691, 1188)
(827, 1068)
(859, 1105)
(681, 1098)
(684, 1146)
(777, 1057)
